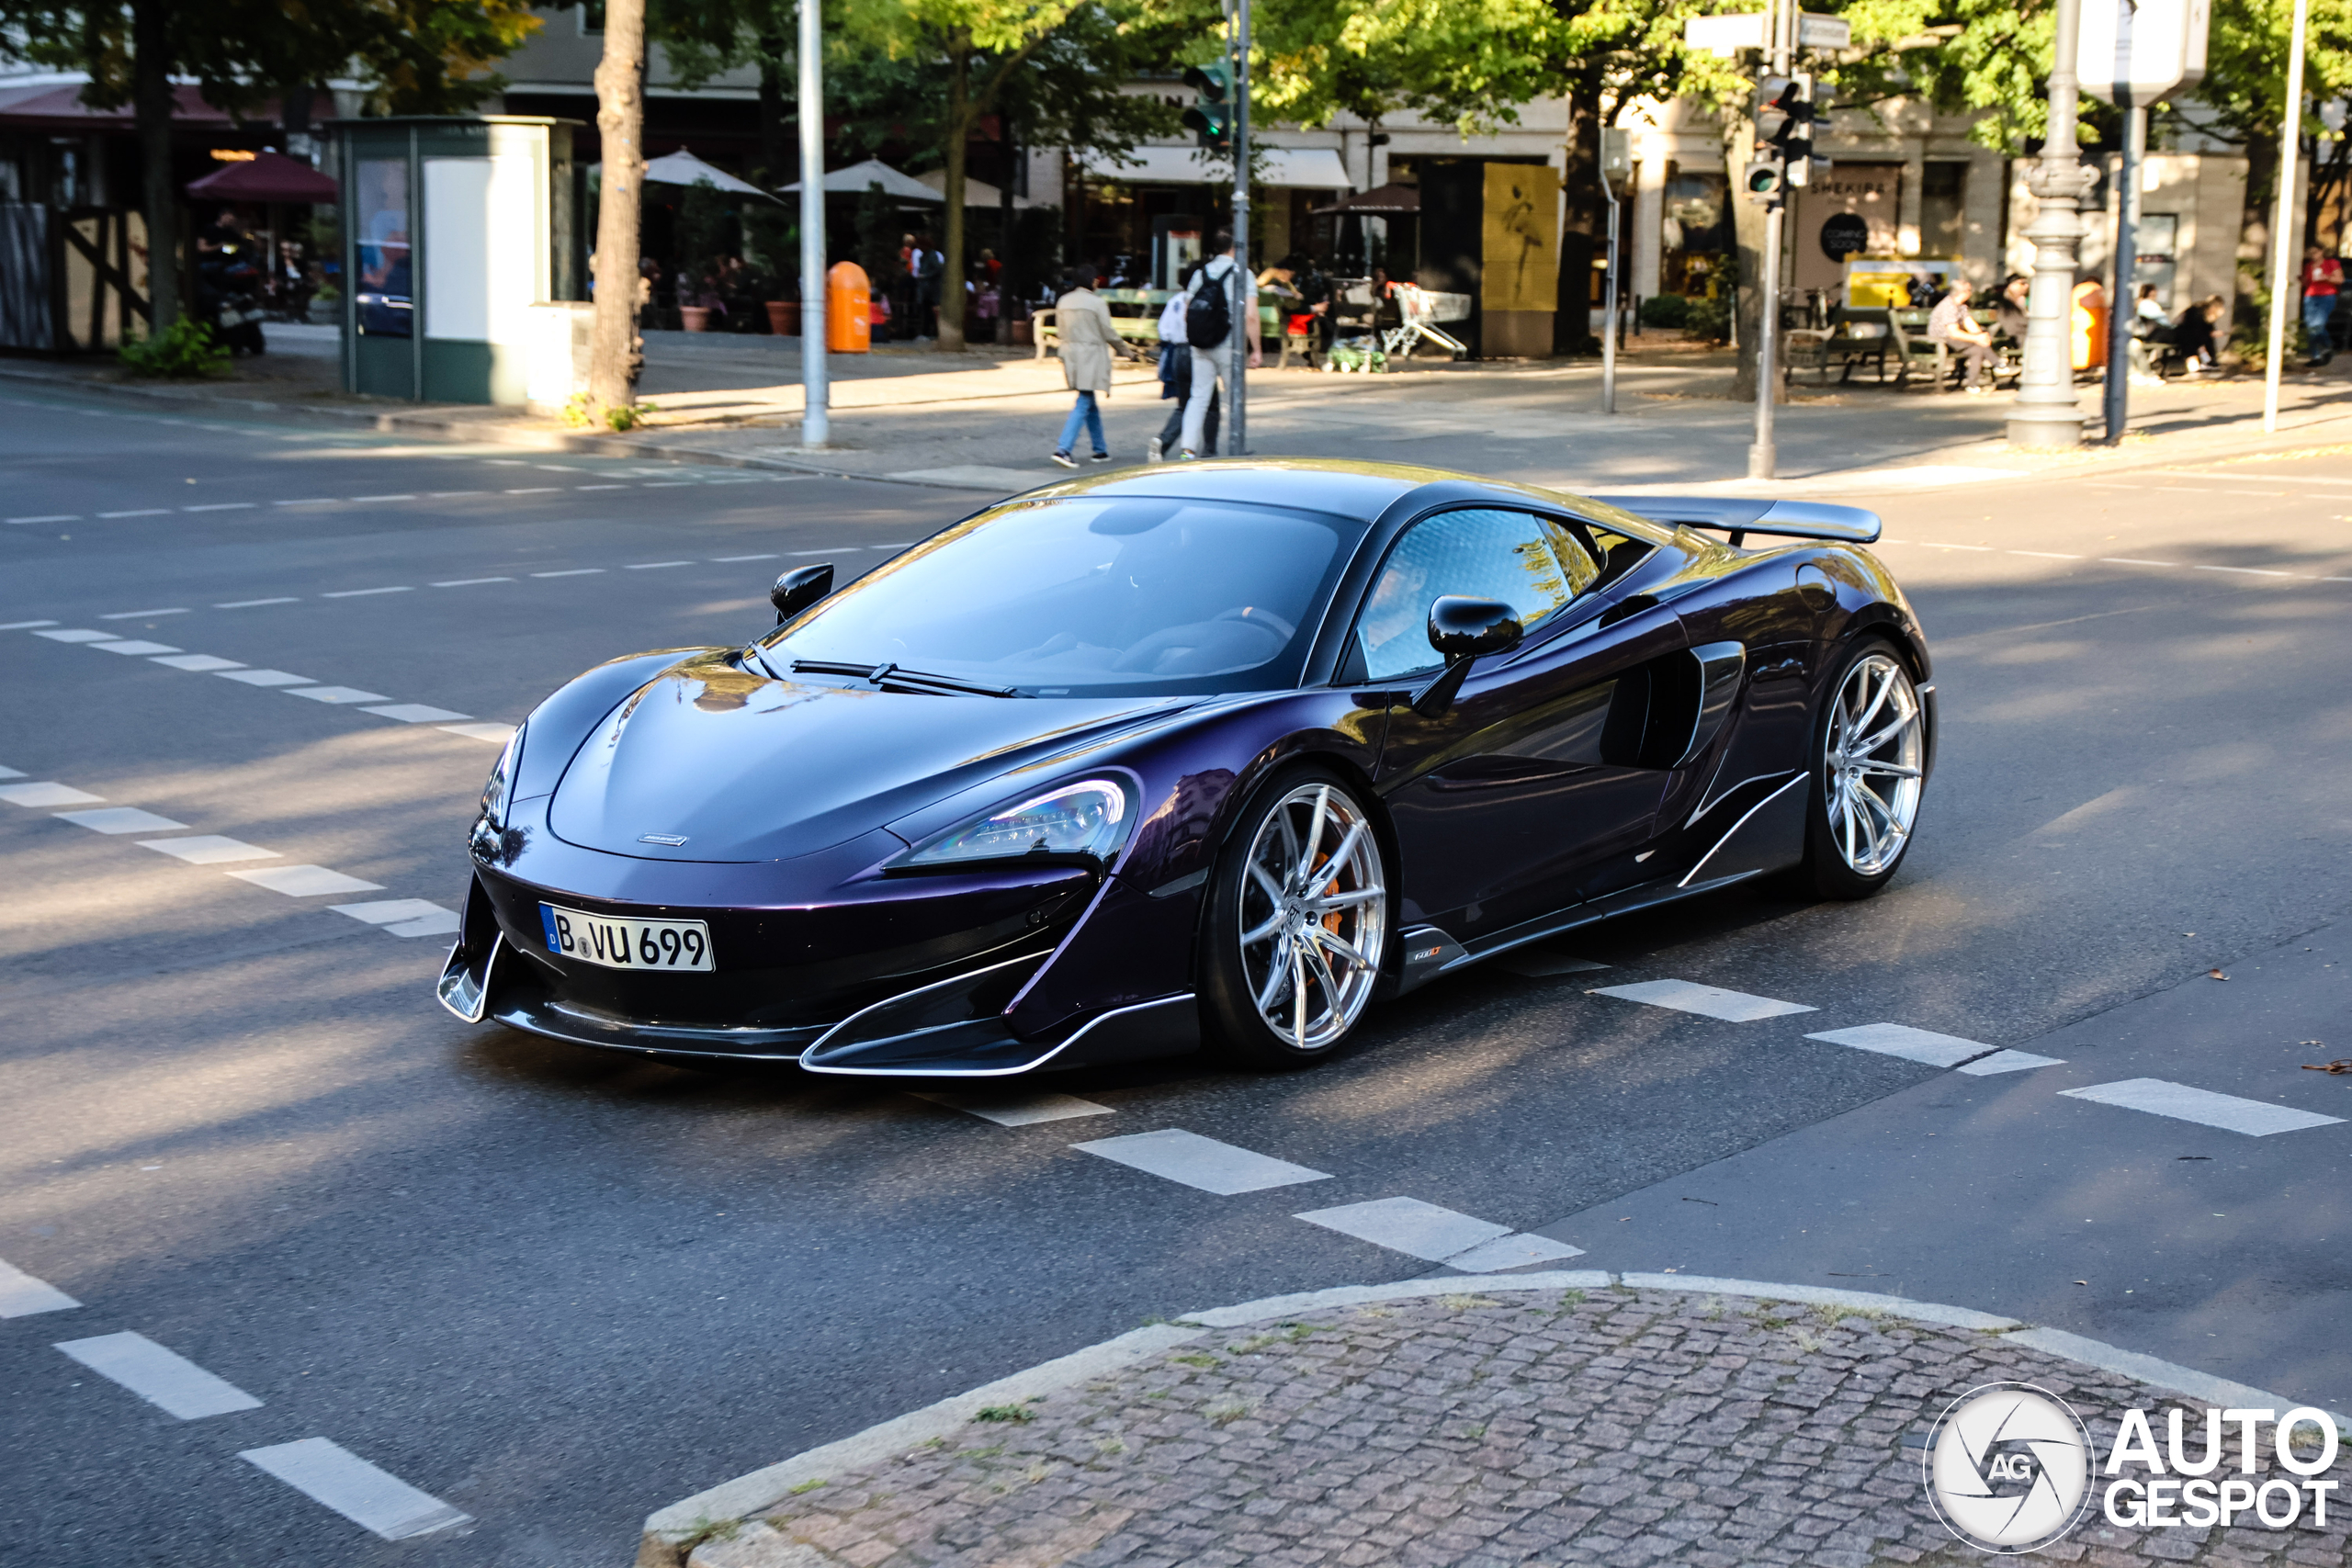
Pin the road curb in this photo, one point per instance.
(671, 1533)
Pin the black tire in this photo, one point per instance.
(1845, 814)
(1352, 909)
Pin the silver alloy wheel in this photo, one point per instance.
(1875, 748)
(1314, 915)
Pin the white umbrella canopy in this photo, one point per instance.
(854, 179)
(977, 193)
(683, 168)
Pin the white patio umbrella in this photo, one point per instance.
(854, 179)
(683, 168)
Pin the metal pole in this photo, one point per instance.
(816, 419)
(2123, 307)
(1763, 457)
(2282, 230)
(1608, 311)
(1237, 413)
(2045, 413)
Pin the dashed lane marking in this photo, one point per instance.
(1436, 1234)
(765, 555)
(51, 517)
(265, 678)
(472, 582)
(210, 849)
(383, 498)
(142, 615)
(142, 512)
(337, 695)
(656, 565)
(22, 1295)
(2009, 1062)
(132, 644)
(162, 1378)
(371, 1498)
(47, 792)
(221, 506)
(200, 663)
(250, 604)
(305, 880)
(1018, 1109)
(575, 571)
(365, 592)
(1202, 1163)
(413, 713)
(1708, 1001)
(403, 917)
(2183, 1102)
(113, 819)
(25, 625)
(1912, 1045)
(77, 634)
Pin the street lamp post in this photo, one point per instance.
(2282, 232)
(2045, 413)
(815, 416)
(1237, 416)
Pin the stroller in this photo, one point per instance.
(1417, 312)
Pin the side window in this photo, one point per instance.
(1530, 563)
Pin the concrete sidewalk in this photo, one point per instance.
(1561, 1418)
(986, 420)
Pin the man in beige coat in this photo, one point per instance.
(1082, 321)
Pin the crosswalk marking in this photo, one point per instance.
(371, 1498)
(2183, 1102)
(1200, 1162)
(21, 1295)
(1902, 1040)
(1018, 1109)
(47, 792)
(119, 819)
(305, 880)
(2011, 1062)
(162, 1378)
(209, 848)
(1708, 1001)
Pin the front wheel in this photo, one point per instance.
(1869, 764)
(1296, 925)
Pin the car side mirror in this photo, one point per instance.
(798, 589)
(1462, 629)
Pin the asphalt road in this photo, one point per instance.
(554, 1290)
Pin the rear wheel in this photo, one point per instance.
(1297, 924)
(1869, 764)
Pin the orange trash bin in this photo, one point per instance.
(848, 327)
(2090, 326)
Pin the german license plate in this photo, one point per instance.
(618, 943)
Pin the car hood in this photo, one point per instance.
(742, 767)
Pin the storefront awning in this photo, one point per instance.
(1303, 168)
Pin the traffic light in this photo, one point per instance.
(1210, 119)
(1763, 180)
(1794, 138)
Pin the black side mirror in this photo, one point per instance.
(798, 589)
(1462, 629)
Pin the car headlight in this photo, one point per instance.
(1086, 818)
(501, 787)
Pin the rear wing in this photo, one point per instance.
(1740, 517)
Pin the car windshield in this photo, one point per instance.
(1089, 597)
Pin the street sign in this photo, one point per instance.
(1823, 33)
(1726, 35)
(2134, 52)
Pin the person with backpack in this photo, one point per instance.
(1089, 338)
(1176, 382)
(1208, 331)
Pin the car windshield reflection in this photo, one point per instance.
(1089, 597)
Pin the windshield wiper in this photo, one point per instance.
(893, 677)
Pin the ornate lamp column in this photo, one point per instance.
(2045, 413)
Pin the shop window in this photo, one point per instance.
(1943, 206)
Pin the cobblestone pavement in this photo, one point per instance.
(1616, 1427)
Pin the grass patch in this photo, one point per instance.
(1197, 1358)
(1225, 1413)
(1005, 1413)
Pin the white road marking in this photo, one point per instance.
(769, 554)
(393, 911)
(47, 794)
(223, 506)
(2011, 1062)
(1407, 1225)
(655, 565)
(575, 571)
(336, 694)
(12, 772)
(53, 517)
(1201, 1162)
(2046, 555)
(1538, 965)
(142, 511)
(1708, 1001)
(25, 625)
(413, 713)
(2253, 1117)
(120, 819)
(249, 604)
(471, 582)
(2244, 570)
(828, 550)
(448, 494)
(1513, 1251)
(496, 734)
(600, 487)
(373, 1499)
(210, 849)
(21, 1295)
(161, 1377)
(2130, 560)
(1019, 1110)
(264, 677)
(675, 484)
(199, 661)
(1911, 1045)
(536, 490)
(305, 880)
(383, 498)
(141, 614)
(77, 634)
(134, 646)
(364, 592)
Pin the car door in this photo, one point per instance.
(1505, 801)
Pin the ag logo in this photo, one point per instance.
(2008, 1468)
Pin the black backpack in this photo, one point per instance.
(1208, 318)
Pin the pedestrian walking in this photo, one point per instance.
(1088, 339)
(1209, 332)
(1176, 383)
(2323, 277)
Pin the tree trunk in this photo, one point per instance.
(615, 353)
(151, 100)
(777, 154)
(1582, 224)
(951, 272)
